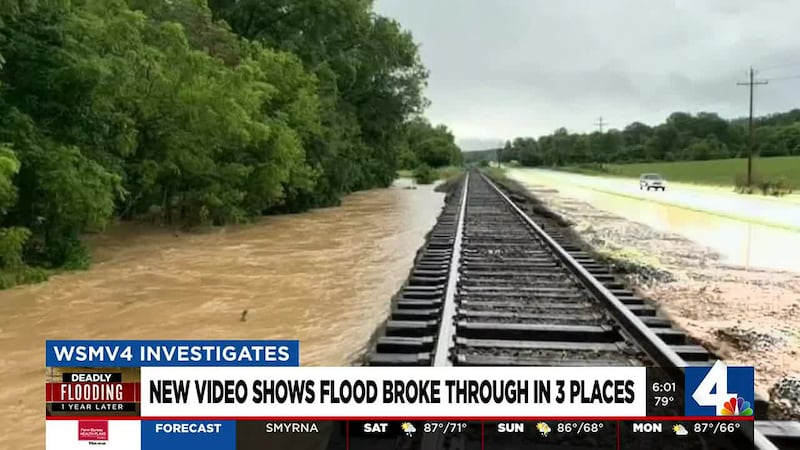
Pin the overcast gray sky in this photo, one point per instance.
(506, 68)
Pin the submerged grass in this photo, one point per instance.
(10, 278)
(442, 173)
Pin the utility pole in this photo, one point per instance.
(600, 124)
(752, 83)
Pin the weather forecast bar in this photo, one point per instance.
(415, 434)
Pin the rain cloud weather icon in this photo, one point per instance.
(680, 430)
(543, 428)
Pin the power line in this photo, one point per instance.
(752, 83)
(779, 66)
(788, 77)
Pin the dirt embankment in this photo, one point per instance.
(746, 317)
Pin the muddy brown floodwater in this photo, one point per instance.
(324, 277)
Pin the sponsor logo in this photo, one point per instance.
(92, 430)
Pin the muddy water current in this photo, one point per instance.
(324, 277)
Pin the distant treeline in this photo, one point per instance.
(681, 137)
(193, 113)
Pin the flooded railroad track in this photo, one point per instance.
(495, 286)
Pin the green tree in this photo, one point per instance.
(682, 136)
(162, 110)
(431, 145)
(371, 81)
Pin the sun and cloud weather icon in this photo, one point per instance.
(543, 428)
(736, 406)
(680, 430)
(408, 429)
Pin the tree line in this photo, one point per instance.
(681, 137)
(187, 112)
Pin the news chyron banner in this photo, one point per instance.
(235, 395)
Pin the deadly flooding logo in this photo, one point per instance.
(92, 430)
(80, 391)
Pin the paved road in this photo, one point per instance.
(780, 212)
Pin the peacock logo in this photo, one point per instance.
(736, 406)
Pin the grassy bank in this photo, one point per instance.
(441, 173)
(496, 173)
(719, 172)
(22, 275)
(628, 261)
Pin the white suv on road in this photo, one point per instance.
(652, 181)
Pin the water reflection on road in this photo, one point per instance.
(739, 243)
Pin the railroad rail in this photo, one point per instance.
(497, 286)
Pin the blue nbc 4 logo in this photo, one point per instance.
(719, 390)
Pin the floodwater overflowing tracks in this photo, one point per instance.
(496, 286)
